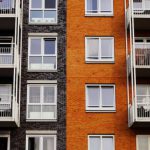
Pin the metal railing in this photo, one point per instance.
(5, 105)
(7, 6)
(142, 54)
(6, 53)
(141, 7)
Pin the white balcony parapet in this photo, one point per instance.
(7, 7)
(142, 55)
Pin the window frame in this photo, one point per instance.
(99, 13)
(41, 100)
(100, 108)
(43, 9)
(101, 136)
(42, 52)
(99, 60)
(41, 139)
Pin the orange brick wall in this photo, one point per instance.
(79, 122)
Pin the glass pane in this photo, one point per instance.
(6, 4)
(106, 48)
(143, 142)
(93, 94)
(49, 46)
(92, 5)
(50, 3)
(36, 3)
(107, 143)
(94, 143)
(48, 143)
(106, 5)
(49, 94)
(35, 46)
(3, 143)
(36, 15)
(141, 89)
(50, 16)
(35, 59)
(107, 96)
(48, 112)
(34, 95)
(92, 48)
(34, 112)
(34, 143)
(49, 62)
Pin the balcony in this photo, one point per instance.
(139, 111)
(8, 107)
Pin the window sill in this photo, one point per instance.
(99, 62)
(36, 120)
(42, 70)
(99, 15)
(42, 23)
(100, 111)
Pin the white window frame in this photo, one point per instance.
(101, 136)
(137, 147)
(100, 108)
(42, 52)
(100, 60)
(43, 9)
(41, 139)
(8, 141)
(99, 13)
(41, 101)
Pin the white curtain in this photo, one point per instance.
(143, 142)
(106, 5)
(107, 143)
(94, 143)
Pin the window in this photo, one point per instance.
(42, 53)
(143, 142)
(41, 101)
(100, 97)
(5, 142)
(99, 7)
(43, 11)
(101, 142)
(99, 49)
(41, 142)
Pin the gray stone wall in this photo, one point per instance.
(18, 134)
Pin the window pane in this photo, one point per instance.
(36, 3)
(3, 143)
(92, 48)
(34, 143)
(35, 46)
(49, 62)
(35, 60)
(107, 96)
(94, 143)
(34, 112)
(92, 5)
(93, 94)
(48, 112)
(106, 48)
(106, 5)
(50, 3)
(142, 142)
(36, 15)
(49, 95)
(107, 143)
(50, 16)
(48, 143)
(49, 46)
(34, 95)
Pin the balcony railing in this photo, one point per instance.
(5, 105)
(7, 6)
(141, 7)
(142, 54)
(6, 53)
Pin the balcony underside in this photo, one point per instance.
(143, 71)
(6, 72)
(140, 124)
(142, 23)
(7, 122)
(7, 23)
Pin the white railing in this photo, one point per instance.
(7, 6)
(143, 107)
(5, 105)
(6, 53)
(141, 7)
(142, 54)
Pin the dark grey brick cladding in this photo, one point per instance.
(18, 134)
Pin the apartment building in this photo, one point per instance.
(32, 74)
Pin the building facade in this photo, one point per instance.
(33, 75)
